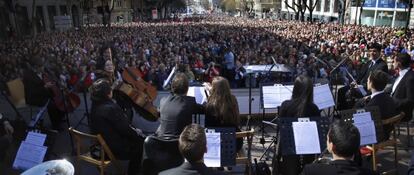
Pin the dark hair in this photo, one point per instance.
(100, 90)
(179, 84)
(375, 46)
(345, 138)
(404, 59)
(302, 94)
(379, 79)
(192, 143)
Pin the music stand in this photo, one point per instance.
(227, 146)
(347, 116)
(287, 141)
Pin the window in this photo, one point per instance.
(63, 10)
(318, 5)
(119, 3)
(327, 5)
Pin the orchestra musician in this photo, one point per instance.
(402, 89)
(108, 119)
(388, 108)
(300, 105)
(343, 141)
(222, 109)
(38, 92)
(177, 109)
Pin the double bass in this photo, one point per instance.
(141, 93)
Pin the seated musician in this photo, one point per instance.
(300, 105)
(108, 119)
(222, 109)
(6, 131)
(192, 145)
(177, 109)
(388, 108)
(342, 142)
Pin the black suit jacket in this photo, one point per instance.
(175, 113)
(108, 119)
(366, 70)
(387, 107)
(404, 95)
(35, 92)
(336, 167)
(191, 169)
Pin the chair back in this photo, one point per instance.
(160, 154)
(394, 120)
(84, 142)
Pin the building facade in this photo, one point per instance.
(381, 13)
(325, 10)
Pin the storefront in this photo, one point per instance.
(384, 13)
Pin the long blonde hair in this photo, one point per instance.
(221, 103)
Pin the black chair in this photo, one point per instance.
(160, 154)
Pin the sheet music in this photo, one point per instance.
(322, 96)
(365, 124)
(306, 137)
(273, 96)
(213, 156)
(198, 93)
(35, 138)
(29, 155)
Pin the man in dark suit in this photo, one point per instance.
(402, 90)
(375, 63)
(177, 109)
(192, 145)
(343, 141)
(388, 108)
(108, 119)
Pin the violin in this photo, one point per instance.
(64, 100)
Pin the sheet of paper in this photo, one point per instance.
(29, 155)
(306, 138)
(366, 127)
(35, 138)
(198, 93)
(273, 96)
(322, 96)
(212, 157)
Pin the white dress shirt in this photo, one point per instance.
(397, 81)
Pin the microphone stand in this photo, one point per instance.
(335, 87)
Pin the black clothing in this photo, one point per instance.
(368, 67)
(404, 95)
(191, 169)
(37, 95)
(176, 112)
(387, 107)
(336, 167)
(288, 109)
(293, 164)
(108, 119)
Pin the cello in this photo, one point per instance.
(140, 92)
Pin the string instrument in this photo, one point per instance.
(64, 100)
(140, 92)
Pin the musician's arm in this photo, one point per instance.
(121, 124)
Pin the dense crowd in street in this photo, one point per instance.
(206, 48)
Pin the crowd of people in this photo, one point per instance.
(215, 50)
(212, 46)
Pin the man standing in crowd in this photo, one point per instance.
(192, 145)
(108, 119)
(403, 88)
(343, 141)
(229, 65)
(177, 109)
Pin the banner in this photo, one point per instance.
(370, 3)
(386, 3)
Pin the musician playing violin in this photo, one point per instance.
(38, 92)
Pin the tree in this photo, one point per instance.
(205, 4)
(298, 7)
(107, 6)
(228, 5)
(311, 7)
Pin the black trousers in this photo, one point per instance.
(133, 153)
(55, 115)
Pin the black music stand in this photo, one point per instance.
(227, 146)
(347, 116)
(287, 141)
